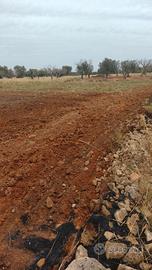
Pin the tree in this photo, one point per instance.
(108, 66)
(84, 68)
(125, 68)
(20, 71)
(66, 70)
(146, 66)
(32, 72)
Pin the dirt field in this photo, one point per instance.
(53, 144)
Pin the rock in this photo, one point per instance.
(74, 205)
(105, 211)
(134, 177)
(49, 202)
(112, 187)
(115, 250)
(81, 252)
(125, 204)
(134, 256)
(85, 263)
(107, 204)
(95, 205)
(148, 235)
(125, 267)
(145, 266)
(88, 235)
(96, 181)
(109, 235)
(120, 215)
(119, 172)
(41, 262)
(132, 239)
(148, 247)
(133, 192)
(132, 224)
(87, 163)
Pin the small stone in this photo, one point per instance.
(119, 172)
(109, 235)
(133, 192)
(95, 205)
(134, 256)
(134, 177)
(120, 215)
(125, 267)
(145, 266)
(87, 163)
(132, 239)
(81, 252)
(41, 262)
(149, 247)
(105, 211)
(96, 181)
(13, 210)
(148, 235)
(49, 202)
(86, 169)
(64, 185)
(132, 224)
(107, 204)
(74, 205)
(115, 250)
(88, 235)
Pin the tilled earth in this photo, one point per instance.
(52, 145)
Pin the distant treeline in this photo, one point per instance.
(83, 68)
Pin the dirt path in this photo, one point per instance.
(53, 145)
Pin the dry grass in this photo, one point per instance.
(75, 84)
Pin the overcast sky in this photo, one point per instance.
(48, 32)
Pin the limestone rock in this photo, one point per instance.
(120, 215)
(125, 267)
(88, 235)
(115, 250)
(81, 252)
(49, 202)
(132, 224)
(85, 263)
(134, 177)
(41, 262)
(109, 235)
(145, 266)
(105, 211)
(132, 239)
(95, 205)
(134, 256)
(148, 235)
(149, 248)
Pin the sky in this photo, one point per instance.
(45, 33)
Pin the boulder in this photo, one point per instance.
(115, 250)
(85, 263)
